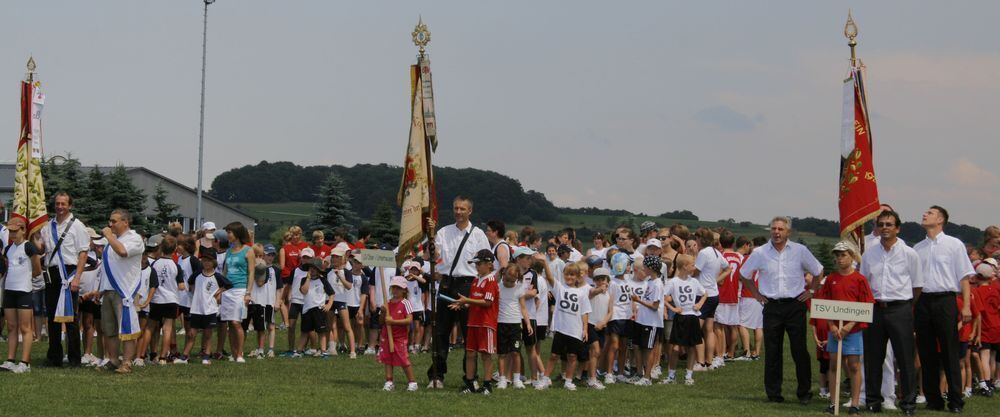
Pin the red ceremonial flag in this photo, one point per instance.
(858, 188)
(417, 197)
(29, 194)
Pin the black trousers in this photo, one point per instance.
(446, 318)
(782, 317)
(935, 321)
(892, 323)
(54, 356)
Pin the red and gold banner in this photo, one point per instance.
(29, 194)
(858, 189)
(417, 198)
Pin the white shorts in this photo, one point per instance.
(751, 313)
(232, 308)
(728, 314)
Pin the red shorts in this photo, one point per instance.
(481, 339)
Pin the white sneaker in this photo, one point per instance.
(569, 385)
(743, 359)
(439, 384)
(370, 351)
(241, 360)
(296, 355)
(889, 406)
(656, 372)
(87, 359)
(921, 399)
(824, 394)
(688, 381)
(181, 332)
(8, 366)
(967, 393)
(138, 362)
(270, 353)
(411, 387)
(595, 384)
(540, 385)
(643, 382)
(669, 380)
(609, 379)
(517, 384)
(848, 404)
(389, 386)
(501, 384)
(179, 361)
(354, 355)
(699, 368)
(206, 362)
(621, 378)
(309, 352)
(21, 368)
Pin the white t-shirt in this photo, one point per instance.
(599, 304)
(339, 290)
(297, 297)
(620, 293)
(124, 269)
(542, 312)
(684, 294)
(90, 280)
(416, 295)
(266, 294)
(710, 262)
(19, 266)
(319, 289)
(145, 275)
(571, 305)
(510, 306)
(557, 267)
(652, 293)
(184, 265)
(382, 277)
(203, 294)
(530, 279)
(166, 273)
(602, 253)
(354, 294)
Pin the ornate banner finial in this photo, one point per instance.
(31, 68)
(421, 36)
(851, 33)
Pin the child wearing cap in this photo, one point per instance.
(343, 286)
(293, 297)
(398, 317)
(260, 311)
(414, 281)
(316, 302)
(987, 293)
(480, 335)
(619, 328)
(512, 313)
(600, 302)
(206, 290)
(846, 284)
(684, 296)
(649, 318)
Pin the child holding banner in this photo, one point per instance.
(846, 284)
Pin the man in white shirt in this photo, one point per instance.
(455, 245)
(64, 264)
(781, 266)
(946, 270)
(893, 271)
(122, 266)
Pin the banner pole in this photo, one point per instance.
(836, 377)
(385, 309)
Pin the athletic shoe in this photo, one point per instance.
(668, 380)
(21, 368)
(595, 384)
(161, 362)
(8, 366)
(889, 406)
(743, 359)
(206, 361)
(634, 379)
(181, 332)
(389, 386)
(310, 352)
(688, 381)
(699, 368)
(921, 399)
(88, 359)
(297, 355)
(540, 385)
(824, 394)
(643, 382)
(569, 385)
(609, 379)
(354, 355)
(270, 353)
(718, 362)
(754, 357)
(241, 360)
(138, 362)
(996, 384)
(502, 384)
(967, 393)
(411, 387)
(848, 404)
(656, 372)
(486, 389)
(288, 354)
(621, 378)
(727, 358)
(517, 384)
(369, 351)
(181, 360)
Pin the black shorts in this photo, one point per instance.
(564, 346)
(261, 316)
(313, 320)
(646, 337)
(185, 311)
(594, 335)
(540, 332)
(509, 338)
(294, 311)
(352, 312)
(686, 331)
(421, 316)
(618, 327)
(530, 339)
(708, 309)
(337, 306)
(92, 308)
(963, 348)
(143, 314)
(824, 365)
(373, 323)
(20, 300)
(161, 312)
(993, 347)
(204, 321)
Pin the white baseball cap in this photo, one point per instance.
(654, 242)
(208, 226)
(307, 252)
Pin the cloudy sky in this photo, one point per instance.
(729, 109)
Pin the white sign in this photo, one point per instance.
(377, 258)
(841, 310)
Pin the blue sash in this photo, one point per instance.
(64, 307)
(128, 327)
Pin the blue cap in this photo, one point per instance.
(619, 263)
(269, 248)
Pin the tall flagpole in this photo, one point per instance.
(201, 121)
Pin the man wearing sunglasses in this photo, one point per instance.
(893, 271)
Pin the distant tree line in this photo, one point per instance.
(910, 232)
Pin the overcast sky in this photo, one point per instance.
(729, 109)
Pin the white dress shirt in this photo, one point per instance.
(77, 240)
(781, 274)
(125, 269)
(447, 241)
(943, 263)
(892, 274)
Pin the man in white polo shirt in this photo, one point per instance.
(122, 265)
(781, 266)
(946, 270)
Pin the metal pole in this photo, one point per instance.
(201, 122)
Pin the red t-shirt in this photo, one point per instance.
(729, 288)
(399, 310)
(822, 331)
(485, 288)
(988, 298)
(321, 251)
(852, 287)
(965, 332)
(745, 291)
(292, 253)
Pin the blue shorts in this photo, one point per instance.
(853, 344)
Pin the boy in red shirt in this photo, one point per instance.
(987, 295)
(847, 285)
(968, 334)
(481, 335)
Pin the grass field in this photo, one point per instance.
(341, 386)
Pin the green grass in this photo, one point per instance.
(341, 386)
